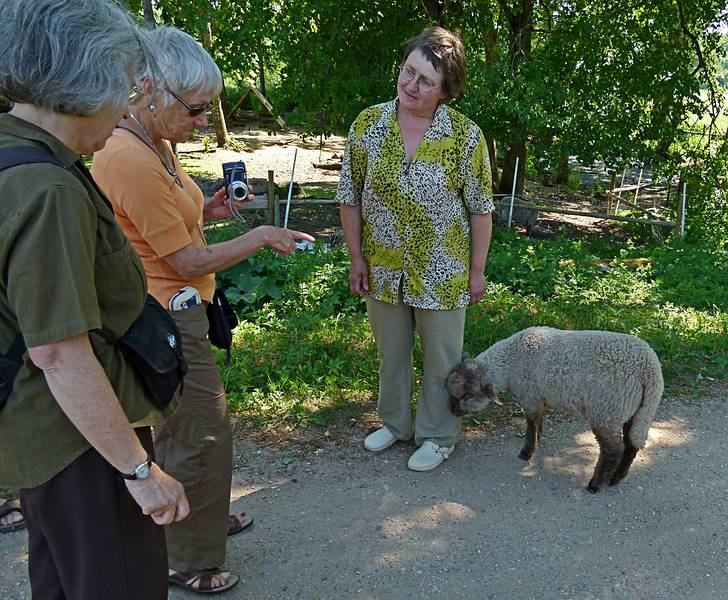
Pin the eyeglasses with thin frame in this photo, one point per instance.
(192, 110)
(407, 74)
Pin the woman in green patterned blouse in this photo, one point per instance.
(416, 198)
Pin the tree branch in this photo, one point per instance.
(701, 66)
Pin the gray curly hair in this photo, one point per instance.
(69, 56)
(184, 65)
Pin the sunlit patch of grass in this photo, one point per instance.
(318, 191)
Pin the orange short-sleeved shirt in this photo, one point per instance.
(158, 216)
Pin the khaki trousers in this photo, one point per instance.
(441, 335)
(195, 447)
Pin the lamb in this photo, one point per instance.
(614, 380)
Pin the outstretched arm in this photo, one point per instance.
(192, 261)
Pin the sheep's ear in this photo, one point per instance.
(489, 391)
(464, 356)
(454, 383)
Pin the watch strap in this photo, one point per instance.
(133, 476)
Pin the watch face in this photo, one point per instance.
(142, 471)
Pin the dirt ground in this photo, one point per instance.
(339, 523)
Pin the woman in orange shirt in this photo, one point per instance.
(162, 212)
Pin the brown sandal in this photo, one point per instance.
(236, 523)
(201, 581)
(8, 507)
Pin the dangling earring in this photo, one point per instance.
(151, 108)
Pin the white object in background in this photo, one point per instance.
(290, 190)
(682, 217)
(513, 193)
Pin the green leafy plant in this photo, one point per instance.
(208, 144)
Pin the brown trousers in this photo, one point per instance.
(88, 539)
(195, 447)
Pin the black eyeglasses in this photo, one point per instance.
(192, 110)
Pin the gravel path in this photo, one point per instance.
(339, 523)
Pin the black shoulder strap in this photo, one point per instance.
(22, 155)
(17, 349)
(11, 157)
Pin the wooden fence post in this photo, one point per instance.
(681, 202)
(610, 194)
(274, 214)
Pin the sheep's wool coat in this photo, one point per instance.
(604, 376)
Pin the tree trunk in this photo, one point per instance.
(442, 12)
(562, 177)
(261, 74)
(490, 41)
(149, 20)
(519, 16)
(493, 157)
(218, 117)
(517, 149)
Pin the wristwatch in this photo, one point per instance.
(141, 471)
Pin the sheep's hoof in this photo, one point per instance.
(592, 488)
(524, 455)
(616, 479)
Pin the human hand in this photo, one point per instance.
(477, 287)
(359, 276)
(283, 241)
(160, 496)
(219, 205)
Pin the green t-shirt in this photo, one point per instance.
(416, 217)
(66, 268)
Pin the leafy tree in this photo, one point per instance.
(337, 56)
(612, 80)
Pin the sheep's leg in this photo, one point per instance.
(630, 451)
(534, 427)
(611, 450)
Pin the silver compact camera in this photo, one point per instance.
(236, 180)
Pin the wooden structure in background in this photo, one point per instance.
(263, 100)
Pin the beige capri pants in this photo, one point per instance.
(441, 335)
(194, 446)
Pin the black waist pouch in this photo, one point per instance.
(223, 320)
(153, 345)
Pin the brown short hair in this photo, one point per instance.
(444, 50)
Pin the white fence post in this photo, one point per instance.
(682, 217)
(513, 193)
(290, 190)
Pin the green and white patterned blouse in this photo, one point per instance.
(415, 218)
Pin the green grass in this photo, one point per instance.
(318, 192)
(304, 354)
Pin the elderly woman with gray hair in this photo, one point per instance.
(162, 211)
(75, 430)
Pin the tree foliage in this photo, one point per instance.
(622, 81)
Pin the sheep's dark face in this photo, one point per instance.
(470, 388)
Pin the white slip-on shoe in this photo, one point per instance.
(380, 440)
(428, 456)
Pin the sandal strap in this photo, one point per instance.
(202, 578)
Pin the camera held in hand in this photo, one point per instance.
(236, 180)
